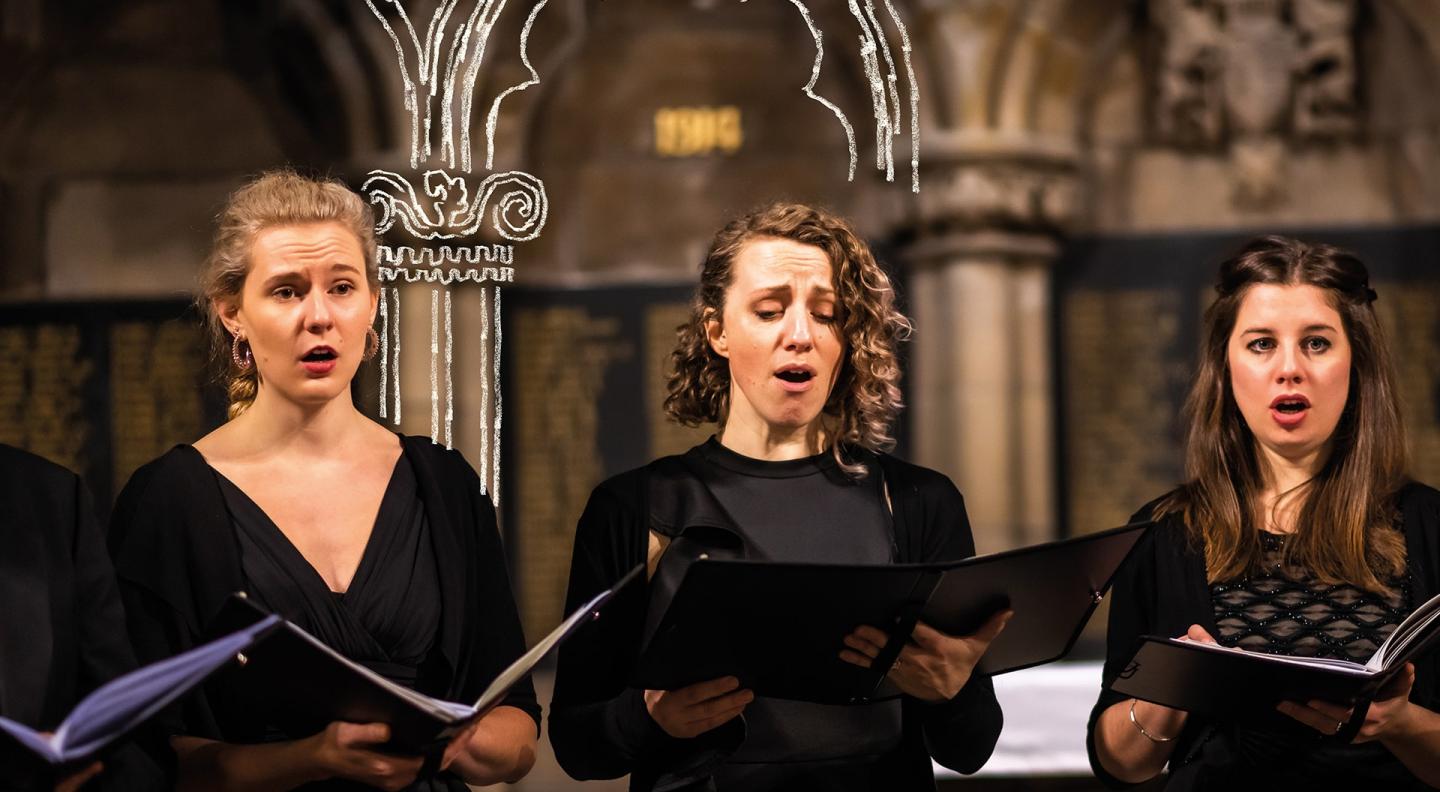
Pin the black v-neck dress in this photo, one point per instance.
(388, 617)
(429, 606)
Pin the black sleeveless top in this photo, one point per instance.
(805, 510)
(388, 618)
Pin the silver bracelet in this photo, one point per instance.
(1141, 729)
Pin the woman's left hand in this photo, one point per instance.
(498, 747)
(932, 666)
(1387, 713)
(459, 744)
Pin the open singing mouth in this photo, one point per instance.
(1290, 404)
(795, 373)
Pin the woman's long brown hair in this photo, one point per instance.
(1345, 515)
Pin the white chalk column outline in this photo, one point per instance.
(440, 64)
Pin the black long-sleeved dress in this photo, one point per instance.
(430, 605)
(599, 727)
(1163, 589)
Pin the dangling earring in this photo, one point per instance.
(372, 344)
(242, 363)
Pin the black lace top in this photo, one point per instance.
(1284, 610)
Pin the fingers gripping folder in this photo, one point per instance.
(779, 627)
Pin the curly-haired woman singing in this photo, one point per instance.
(791, 350)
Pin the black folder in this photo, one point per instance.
(779, 627)
(1231, 683)
(300, 685)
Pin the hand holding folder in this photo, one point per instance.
(779, 627)
(931, 666)
(1229, 683)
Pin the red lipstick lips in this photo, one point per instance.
(319, 361)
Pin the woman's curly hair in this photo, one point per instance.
(866, 396)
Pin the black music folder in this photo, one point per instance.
(779, 627)
(1227, 683)
(302, 685)
(119, 706)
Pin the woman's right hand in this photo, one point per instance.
(694, 710)
(347, 750)
(1198, 634)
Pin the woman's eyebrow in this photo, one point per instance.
(776, 289)
(282, 277)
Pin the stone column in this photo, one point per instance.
(982, 396)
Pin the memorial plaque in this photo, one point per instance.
(1126, 370)
(554, 391)
(666, 436)
(42, 392)
(103, 387)
(1410, 314)
(155, 391)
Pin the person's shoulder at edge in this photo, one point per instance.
(1170, 531)
(1421, 496)
(161, 475)
(24, 469)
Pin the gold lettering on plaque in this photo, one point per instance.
(154, 391)
(698, 131)
(42, 404)
(1411, 316)
(662, 322)
(557, 385)
(1121, 430)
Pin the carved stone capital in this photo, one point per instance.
(994, 196)
(996, 182)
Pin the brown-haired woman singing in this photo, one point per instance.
(1296, 533)
(380, 545)
(791, 349)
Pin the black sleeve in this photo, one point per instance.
(147, 554)
(960, 733)
(105, 651)
(599, 726)
(503, 638)
(1130, 618)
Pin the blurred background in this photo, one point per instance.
(1083, 167)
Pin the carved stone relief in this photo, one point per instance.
(1250, 78)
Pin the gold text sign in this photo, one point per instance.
(698, 131)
